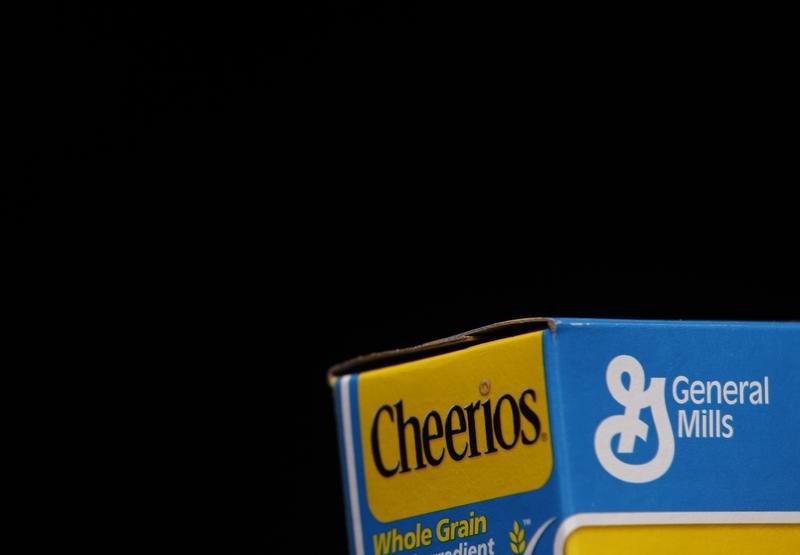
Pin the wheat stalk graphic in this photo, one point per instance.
(517, 536)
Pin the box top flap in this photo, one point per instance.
(462, 340)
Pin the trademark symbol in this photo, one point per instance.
(526, 522)
(484, 387)
(544, 436)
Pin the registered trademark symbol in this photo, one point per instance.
(484, 387)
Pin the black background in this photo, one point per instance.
(223, 146)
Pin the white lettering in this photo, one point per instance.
(727, 424)
(700, 392)
(687, 428)
(730, 393)
(682, 397)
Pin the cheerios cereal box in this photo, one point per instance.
(572, 436)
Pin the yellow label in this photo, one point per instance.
(686, 539)
(455, 428)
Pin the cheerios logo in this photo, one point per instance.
(479, 423)
(438, 432)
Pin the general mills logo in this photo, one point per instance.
(628, 426)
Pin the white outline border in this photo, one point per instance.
(350, 459)
(569, 525)
(537, 536)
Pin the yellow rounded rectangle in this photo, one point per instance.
(455, 428)
(686, 539)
